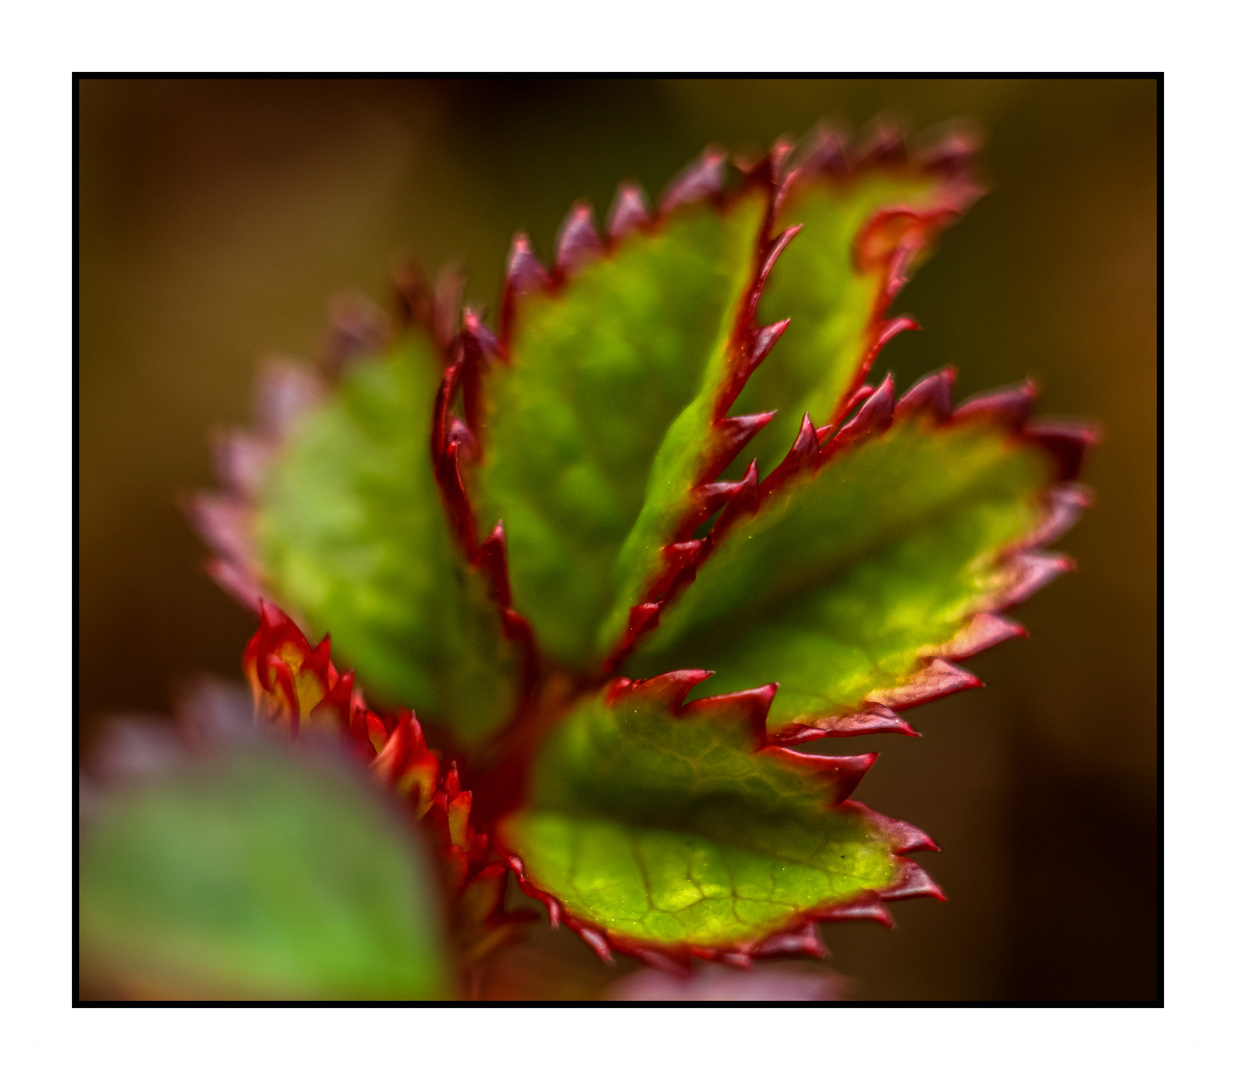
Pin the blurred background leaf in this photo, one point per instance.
(267, 872)
(218, 216)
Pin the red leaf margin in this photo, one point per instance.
(889, 241)
(798, 935)
(1026, 566)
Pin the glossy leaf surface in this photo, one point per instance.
(599, 398)
(351, 533)
(672, 828)
(264, 875)
(844, 582)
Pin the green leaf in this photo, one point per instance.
(264, 874)
(652, 826)
(596, 429)
(868, 563)
(866, 226)
(351, 532)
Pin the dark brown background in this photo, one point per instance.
(218, 217)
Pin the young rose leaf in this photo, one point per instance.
(863, 567)
(667, 830)
(260, 874)
(869, 216)
(598, 418)
(347, 528)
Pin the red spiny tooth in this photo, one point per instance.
(282, 686)
(936, 679)
(618, 689)
(778, 246)
(732, 433)
(901, 834)
(873, 418)
(358, 328)
(857, 398)
(804, 942)
(1066, 442)
(885, 146)
(491, 560)
(224, 523)
(483, 337)
(1010, 405)
(375, 730)
(981, 632)
(524, 272)
(671, 965)
(873, 720)
(951, 155)
(524, 275)
(709, 498)
(240, 459)
(914, 881)
(555, 911)
(679, 556)
(578, 242)
(675, 559)
(337, 703)
(442, 409)
(458, 432)
(699, 180)
(1065, 503)
(932, 395)
(745, 501)
(597, 940)
(841, 773)
(749, 707)
(515, 626)
(628, 212)
(670, 688)
(455, 498)
(451, 784)
(1029, 571)
(735, 958)
(762, 341)
(642, 617)
(457, 814)
(823, 154)
(318, 662)
(285, 391)
(868, 906)
(804, 452)
(888, 330)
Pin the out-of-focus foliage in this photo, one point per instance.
(259, 874)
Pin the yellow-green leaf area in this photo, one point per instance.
(842, 581)
(352, 534)
(674, 831)
(599, 373)
(260, 876)
(830, 302)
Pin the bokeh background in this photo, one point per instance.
(218, 217)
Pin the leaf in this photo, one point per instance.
(869, 216)
(599, 417)
(859, 570)
(260, 874)
(346, 526)
(658, 828)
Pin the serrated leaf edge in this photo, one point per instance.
(798, 935)
(1027, 567)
